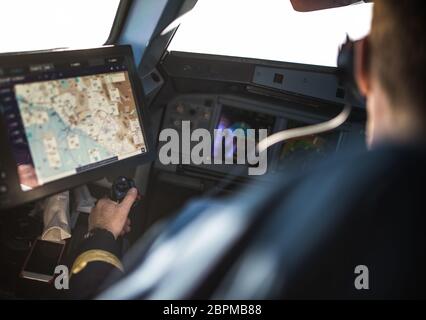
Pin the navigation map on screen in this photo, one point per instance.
(75, 124)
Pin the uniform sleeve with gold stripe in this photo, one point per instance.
(97, 257)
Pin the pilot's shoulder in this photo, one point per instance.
(362, 165)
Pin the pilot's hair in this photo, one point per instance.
(398, 50)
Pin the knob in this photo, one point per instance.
(120, 187)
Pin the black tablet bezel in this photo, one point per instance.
(15, 196)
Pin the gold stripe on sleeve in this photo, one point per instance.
(92, 256)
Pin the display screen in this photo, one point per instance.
(301, 153)
(68, 118)
(234, 118)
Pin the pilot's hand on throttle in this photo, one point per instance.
(113, 216)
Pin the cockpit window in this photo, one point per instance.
(45, 24)
(270, 30)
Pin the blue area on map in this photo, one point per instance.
(70, 159)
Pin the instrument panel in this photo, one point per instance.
(213, 112)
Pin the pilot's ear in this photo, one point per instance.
(362, 66)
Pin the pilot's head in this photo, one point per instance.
(391, 72)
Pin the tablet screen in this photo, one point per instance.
(68, 118)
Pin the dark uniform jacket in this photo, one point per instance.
(361, 210)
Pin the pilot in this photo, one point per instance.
(361, 213)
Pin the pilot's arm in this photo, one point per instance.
(99, 254)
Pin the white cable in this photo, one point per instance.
(284, 135)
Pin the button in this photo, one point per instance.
(11, 116)
(3, 189)
(3, 175)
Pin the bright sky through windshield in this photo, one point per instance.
(271, 30)
(44, 24)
